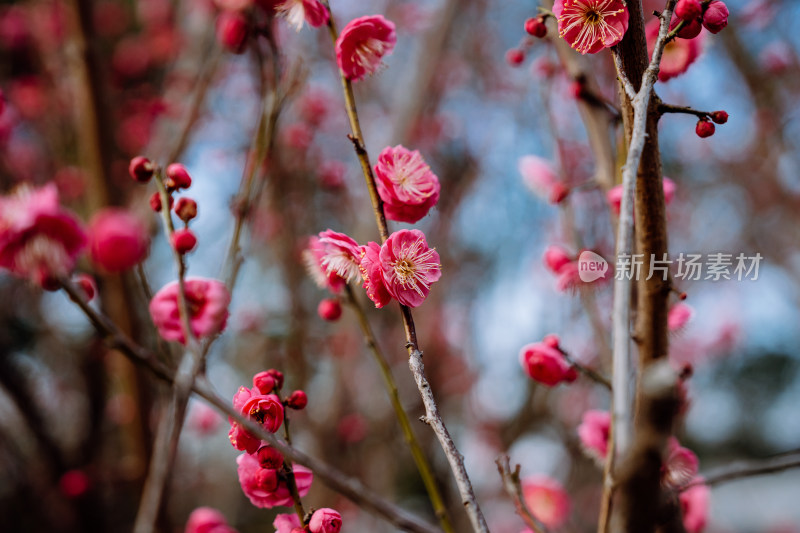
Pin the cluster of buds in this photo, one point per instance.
(696, 15)
(176, 178)
(534, 27)
(705, 126)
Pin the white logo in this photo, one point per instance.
(591, 266)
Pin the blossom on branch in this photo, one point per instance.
(372, 274)
(299, 11)
(266, 409)
(39, 240)
(591, 25)
(362, 44)
(207, 520)
(594, 432)
(406, 184)
(207, 302)
(266, 487)
(325, 521)
(544, 363)
(409, 266)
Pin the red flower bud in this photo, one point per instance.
(536, 26)
(558, 193)
(232, 31)
(705, 128)
(716, 16)
(178, 177)
(297, 400)
(155, 202)
(277, 376)
(264, 382)
(720, 117)
(186, 209)
(141, 169)
(86, 284)
(329, 309)
(184, 241)
(515, 57)
(688, 10)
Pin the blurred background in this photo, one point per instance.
(77, 420)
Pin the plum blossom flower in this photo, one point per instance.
(409, 266)
(207, 520)
(262, 485)
(266, 409)
(299, 11)
(715, 18)
(362, 44)
(544, 363)
(325, 520)
(332, 259)
(695, 504)
(594, 432)
(540, 177)
(555, 258)
(372, 274)
(118, 240)
(406, 184)
(39, 240)
(591, 25)
(207, 301)
(680, 465)
(679, 315)
(679, 54)
(286, 523)
(547, 500)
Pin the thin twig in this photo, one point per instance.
(349, 487)
(669, 108)
(432, 416)
(512, 486)
(288, 470)
(424, 467)
(745, 470)
(588, 372)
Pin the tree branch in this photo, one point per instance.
(511, 484)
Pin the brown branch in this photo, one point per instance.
(349, 487)
(745, 470)
(669, 108)
(588, 372)
(432, 416)
(511, 484)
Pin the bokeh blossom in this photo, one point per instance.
(207, 301)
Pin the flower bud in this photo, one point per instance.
(536, 27)
(277, 376)
(86, 284)
(297, 400)
(325, 521)
(155, 202)
(720, 117)
(515, 57)
(264, 382)
(705, 128)
(141, 169)
(558, 193)
(716, 16)
(688, 10)
(232, 31)
(555, 258)
(552, 340)
(118, 240)
(269, 457)
(329, 309)
(184, 241)
(186, 209)
(178, 177)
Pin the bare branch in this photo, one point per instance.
(745, 469)
(511, 484)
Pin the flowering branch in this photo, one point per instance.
(511, 484)
(349, 487)
(432, 416)
(424, 467)
(288, 470)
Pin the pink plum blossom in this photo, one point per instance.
(409, 266)
(695, 503)
(298, 12)
(362, 44)
(207, 520)
(556, 258)
(266, 409)
(614, 195)
(207, 301)
(118, 240)
(680, 465)
(545, 364)
(312, 258)
(540, 177)
(594, 432)
(679, 315)
(264, 488)
(332, 259)
(372, 274)
(547, 500)
(39, 240)
(406, 184)
(591, 25)
(325, 520)
(286, 523)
